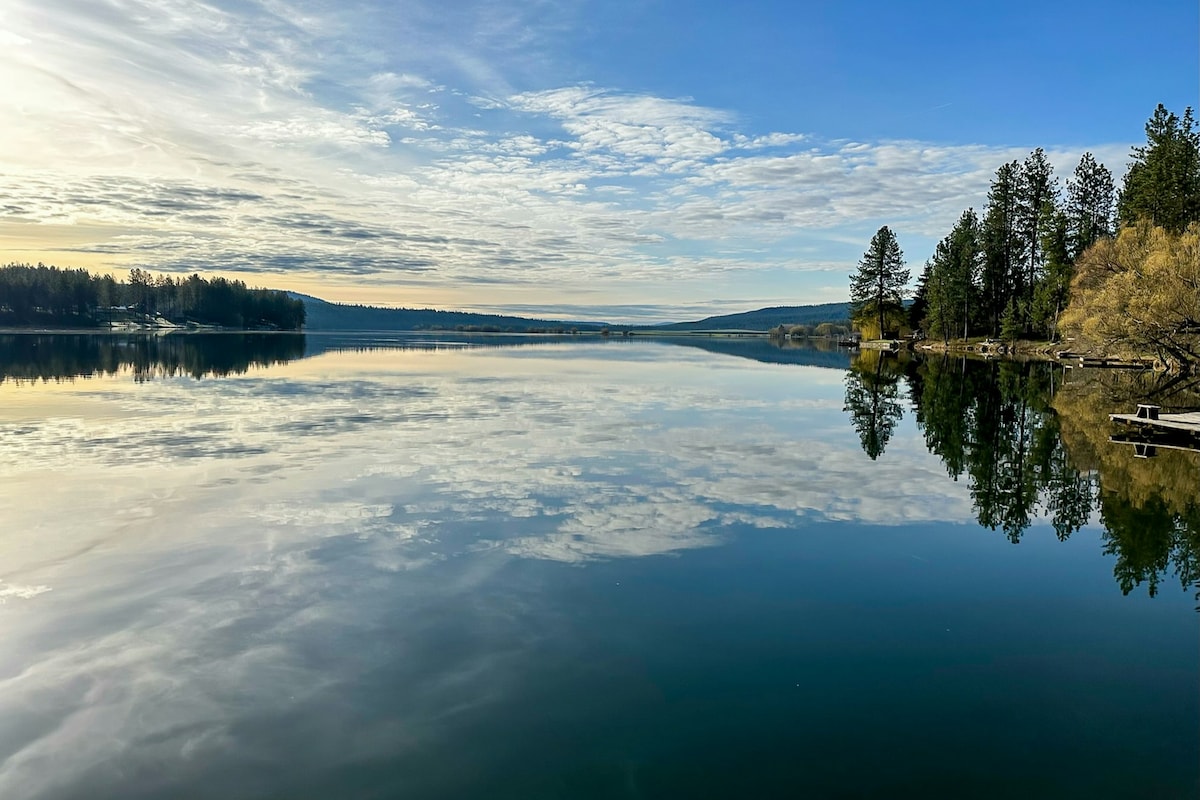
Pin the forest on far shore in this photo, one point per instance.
(47, 296)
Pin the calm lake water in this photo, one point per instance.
(390, 567)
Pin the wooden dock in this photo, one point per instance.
(1149, 447)
(1069, 360)
(1149, 416)
(1153, 430)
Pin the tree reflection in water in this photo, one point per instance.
(1032, 444)
(1149, 507)
(55, 357)
(872, 399)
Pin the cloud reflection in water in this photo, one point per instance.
(225, 554)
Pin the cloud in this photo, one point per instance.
(743, 142)
(638, 129)
(184, 135)
(332, 130)
(20, 592)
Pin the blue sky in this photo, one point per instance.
(628, 160)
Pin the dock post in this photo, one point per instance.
(1146, 411)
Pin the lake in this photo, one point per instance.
(273, 566)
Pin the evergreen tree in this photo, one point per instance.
(952, 273)
(919, 307)
(1037, 196)
(1010, 322)
(1089, 205)
(1163, 182)
(1053, 290)
(1002, 247)
(937, 321)
(877, 289)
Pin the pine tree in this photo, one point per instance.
(1037, 196)
(1010, 322)
(1053, 290)
(1003, 249)
(878, 287)
(1089, 205)
(919, 307)
(1163, 182)
(952, 273)
(939, 316)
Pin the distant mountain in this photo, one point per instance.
(766, 318)
(326, 316)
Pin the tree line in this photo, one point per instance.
(1103, 262)
(48, 295)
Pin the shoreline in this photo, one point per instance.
(1021, 350)
(1038, 350)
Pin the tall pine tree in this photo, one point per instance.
(1037, 197)
(919, 306)
(877, 289)
(1089, 205)
(1003, 248)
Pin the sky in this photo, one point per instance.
(622, 160)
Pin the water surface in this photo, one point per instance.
(354, 567)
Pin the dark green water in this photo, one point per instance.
(318, 567)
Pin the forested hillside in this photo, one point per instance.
(49, 296)
(766, 318)
(325, 316)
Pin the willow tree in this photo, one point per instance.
(877, 289)
(1139, 295)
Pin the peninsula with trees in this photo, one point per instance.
(1110, 273)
